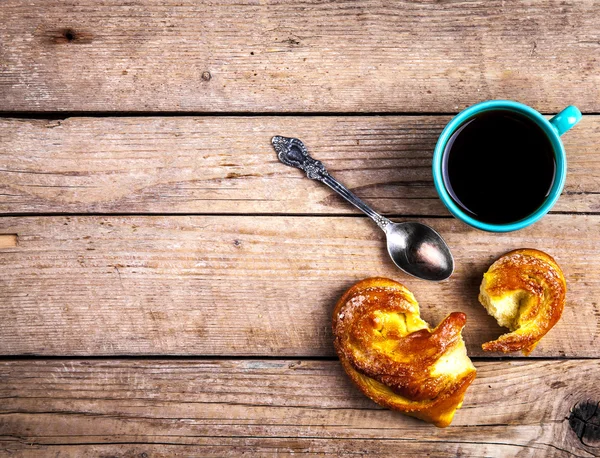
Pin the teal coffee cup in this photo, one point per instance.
(518, 149)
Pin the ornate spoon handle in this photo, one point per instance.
(292, 152)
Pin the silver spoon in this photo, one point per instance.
(414, 247)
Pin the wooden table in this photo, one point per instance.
(166, 284)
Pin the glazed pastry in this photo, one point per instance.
(395, 358)
(525, 291)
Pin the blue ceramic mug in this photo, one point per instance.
(552, 128)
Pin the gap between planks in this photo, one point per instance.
(268, 215)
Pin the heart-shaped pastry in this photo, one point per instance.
(525, 291)
(393, 355)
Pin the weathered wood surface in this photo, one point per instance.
(270, 407)
(227, 165)
(228, 285)
(265, 285)
(289, 56)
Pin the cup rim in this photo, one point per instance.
(551, 133)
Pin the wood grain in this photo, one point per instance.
(278, 407)
(227, 165)
(226, 285)
(289, 56)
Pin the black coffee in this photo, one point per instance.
(499, 166)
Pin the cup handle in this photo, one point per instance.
(566, 119)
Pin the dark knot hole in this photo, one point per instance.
(70, 35)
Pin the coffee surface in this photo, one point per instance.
(499, 166)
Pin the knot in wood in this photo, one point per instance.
(69, 35)
(585, 421)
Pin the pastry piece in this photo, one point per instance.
(525, 291)
(395, 358)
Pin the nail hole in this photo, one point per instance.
(69, 35)
(206, 76)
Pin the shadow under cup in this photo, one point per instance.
(552, 129)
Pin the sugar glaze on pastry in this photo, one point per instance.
(525, 291)
(393, 355)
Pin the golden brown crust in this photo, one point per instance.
(538, 280)
(395, 358)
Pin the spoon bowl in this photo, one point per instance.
(419, 250)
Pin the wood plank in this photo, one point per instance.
(273, 407)
(224, 285)
(227, 165)
(289, 56)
